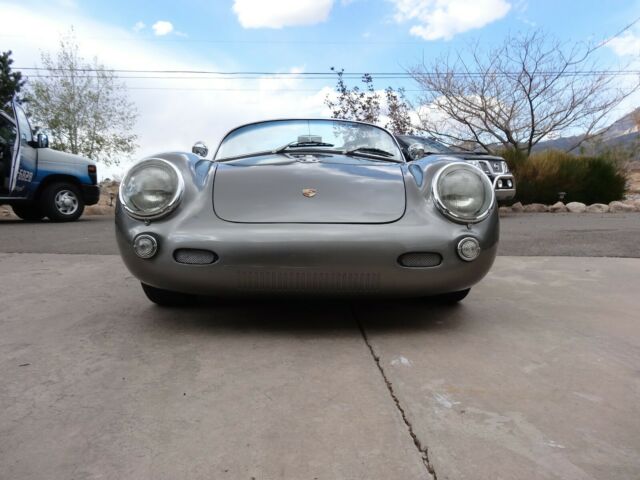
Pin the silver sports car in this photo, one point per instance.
(306, 206)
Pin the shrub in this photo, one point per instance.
(541, 177)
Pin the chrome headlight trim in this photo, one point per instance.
(445, 210)
(167, 209)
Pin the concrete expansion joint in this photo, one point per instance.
(422, 450)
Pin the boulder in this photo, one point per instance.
(598, 208)
(6, 211)
(618, 207)
(536, 207)
(558, 207)
(576, 207)
(517, 207)
(504, 210)
(99, 210)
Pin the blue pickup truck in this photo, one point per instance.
(37, 181)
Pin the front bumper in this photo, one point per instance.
(307, 258)
(504, 192)
(90, 194)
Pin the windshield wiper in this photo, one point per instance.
(369, 151)
(284, 148)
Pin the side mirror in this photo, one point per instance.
(416, 151)
(200, 149)
(43, 140)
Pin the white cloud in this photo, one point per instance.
(281, 13)
(162, 27)
(443, 19)
(138, 26)
(627, 44)
(174, 113)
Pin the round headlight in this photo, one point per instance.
(463, 193)
(151, 189)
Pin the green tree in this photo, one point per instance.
(82, 105)
(10, 82)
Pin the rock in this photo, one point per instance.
(576, 207)
(504, 210)
(558, 207)
(617, 207)
(598, 208)
(517, 207)
(99, 210)
(536, 207)
(6, 211)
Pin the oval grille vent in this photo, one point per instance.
(192, 256)
(420, 259)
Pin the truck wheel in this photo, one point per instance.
(167, 298)
(30, 213)
(62, 202)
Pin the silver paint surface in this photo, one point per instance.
(278, 241)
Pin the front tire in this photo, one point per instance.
(167, 298)
(62, 202)
(29, 213)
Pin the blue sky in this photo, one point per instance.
(286, 35)
(373, 39)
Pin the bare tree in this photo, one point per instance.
(82, 105)
(368, 105)
(528, 89)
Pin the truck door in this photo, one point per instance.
(26, 156)
(9, 145)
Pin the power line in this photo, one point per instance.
(266, 90)
(259, 74)
(316, 76)
(240, 42)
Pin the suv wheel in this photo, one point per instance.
(29, 212)
(62, 202)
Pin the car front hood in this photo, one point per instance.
(56, 156)
(318, 188)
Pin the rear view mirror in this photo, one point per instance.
(416, 151)
(43, 140)
(200, 149)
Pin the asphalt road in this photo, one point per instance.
(534, 375)
(537, 234)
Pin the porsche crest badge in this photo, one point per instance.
(309, 192)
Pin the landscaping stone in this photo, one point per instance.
(99, 210)
(558, 207)
(618, 207)
(504, 210)
(536, 207)
(576, 207)
(517, 207)
(598, 208)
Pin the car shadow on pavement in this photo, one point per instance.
(307, 317)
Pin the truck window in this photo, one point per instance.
(25, 128)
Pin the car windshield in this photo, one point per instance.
(430, 145)
(337, 136)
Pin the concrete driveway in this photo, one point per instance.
(535, 375)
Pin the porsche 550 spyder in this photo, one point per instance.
(306, 206)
